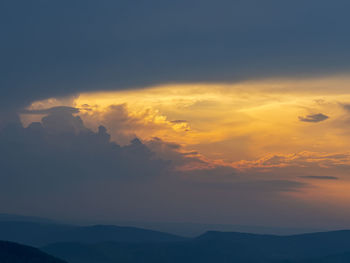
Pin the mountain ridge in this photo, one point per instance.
(40, 234)
(16, 253)
(215, 246)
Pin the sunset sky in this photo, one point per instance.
(225, 112)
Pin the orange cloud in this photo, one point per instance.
(302, 159)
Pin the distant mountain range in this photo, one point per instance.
(186, 229)
(115, 244)
(40, 234)
(195, 229)
(330, 247)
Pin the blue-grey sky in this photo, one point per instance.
(235, 106)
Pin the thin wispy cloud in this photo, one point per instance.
(319, 177)
(314, 118)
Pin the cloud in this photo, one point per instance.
(60, 146)
(346, 107)
(314, 118)
(272, 185)
(179, 121)
(302, 159)
(317, 177)
(182, 160)
(125, 124)
(53, 110)
(106, 45)
(226, 178)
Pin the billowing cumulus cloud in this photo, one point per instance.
(125, 124)
(62, 147)
(314, 118)
(106, 45)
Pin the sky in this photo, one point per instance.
(220, 112)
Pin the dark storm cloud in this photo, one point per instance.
(318, 177)
(314, 118)
(54, 48)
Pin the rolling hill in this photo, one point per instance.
(16, 253)
(327, 247)
(41, 234)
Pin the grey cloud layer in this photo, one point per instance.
(54, 48)
(319, 177)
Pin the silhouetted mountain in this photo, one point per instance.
(15, 253)
(38, 234)
(195, 229)
(287, 247)
(179, 252)
(340, 258)
(185, 229)
(219, 247)
(110, 244)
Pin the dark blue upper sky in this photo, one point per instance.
(53, 48)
